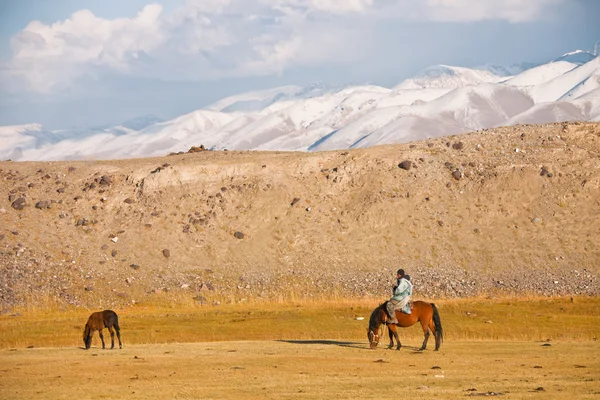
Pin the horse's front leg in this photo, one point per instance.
(393, 332)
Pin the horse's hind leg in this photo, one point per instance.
(112, 337)
(119, 335)
(426, 333)
(101, 337)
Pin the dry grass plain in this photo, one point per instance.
(304, 369)
(517, 348)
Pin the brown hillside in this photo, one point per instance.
(510, 209)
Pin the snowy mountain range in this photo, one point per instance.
(441, 100)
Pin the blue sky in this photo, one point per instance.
(66, 63)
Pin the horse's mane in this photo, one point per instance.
(374, 320)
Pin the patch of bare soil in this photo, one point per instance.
(507, 210)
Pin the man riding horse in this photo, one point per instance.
(401, 297)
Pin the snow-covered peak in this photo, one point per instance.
(508, 70)
(569, 82)
(26, 129)
(450, 77)
(541, 74)
(578, 57)
(141, 122)
(255, 100)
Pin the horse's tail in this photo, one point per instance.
(116, 322)
(437, 322)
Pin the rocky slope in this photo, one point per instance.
(506, 210)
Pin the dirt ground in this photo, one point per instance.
(304, 369)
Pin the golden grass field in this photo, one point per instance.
(304, 369)
(520, 348)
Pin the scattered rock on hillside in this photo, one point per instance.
(206, 286)
(296, 199)
(43, 204)
(166, 253)
(19, 203)
(82, 222)
(405, 165)
(105, 180)
(238, 235)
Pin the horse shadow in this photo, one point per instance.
(354, 345)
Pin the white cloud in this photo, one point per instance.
(330, 6)
(52, 55)
(208, 39)
(478, 10)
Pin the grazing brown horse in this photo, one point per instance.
(97, 322)
(425, 313)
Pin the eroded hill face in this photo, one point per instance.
(510, 209)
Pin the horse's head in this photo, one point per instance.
(374, 332)
(374, 336)
(87, 337)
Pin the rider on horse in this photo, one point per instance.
(401, 297)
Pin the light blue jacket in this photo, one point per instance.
(404, 289)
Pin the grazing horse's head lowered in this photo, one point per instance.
(374, 337)
(425, 313)
(374, 331)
